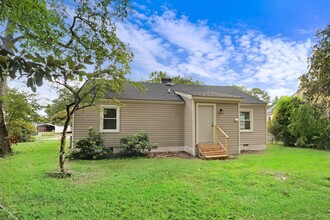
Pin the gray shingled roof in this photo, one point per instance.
(159, 92)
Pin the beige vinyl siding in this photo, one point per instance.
(226, 121)
(257, 138)
(83, 120)
(188, 122)
(163, 122)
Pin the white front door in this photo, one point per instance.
(205, 123)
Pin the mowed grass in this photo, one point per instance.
(282, 183)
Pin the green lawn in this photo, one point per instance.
(282, 183)
(47, 136)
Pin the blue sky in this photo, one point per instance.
(253, 43)
(284, 17)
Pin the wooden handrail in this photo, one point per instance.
(226, 139)
(224, 133)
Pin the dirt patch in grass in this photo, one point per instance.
(179, 154)
(276, 175)
(59, 175)
(252, 151)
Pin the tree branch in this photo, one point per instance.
(73, 34)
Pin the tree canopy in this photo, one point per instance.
(157, 76)
(58, 104)
(25, 27)
(316, 82)
(255, 92)
(82, 53)
(280, 124)
(298, 123)
(90, 43)
(22, 106)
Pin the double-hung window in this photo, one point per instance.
(109, 118)
(246, 120)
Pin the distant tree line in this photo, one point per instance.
(157, 76)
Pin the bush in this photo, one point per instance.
(21, 131)
(279, 126)
(135, 144)
(91, 148)
(300, 124)
(310, 127)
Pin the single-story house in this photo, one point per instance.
(198, 119)
(270, 115)
(59, 129)
(45, 127)
(270, 112)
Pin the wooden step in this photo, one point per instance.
(207, 145)
(211, 148)
(212, 151)
(215, 147)
(217, 157)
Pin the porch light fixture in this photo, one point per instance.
(221, 111)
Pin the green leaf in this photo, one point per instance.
(12, 74)
(3, 59)
(71, 64)
(31, 57)
(50, 59)
(32, 64)
(39, 78)
(4, 52)
(15, 67)
(11, 45)
(29, 82)
(40, 58)
(80, 66)
(71, 77)
(49, 77)
(87, 59)
(82, 73)
(55, 76)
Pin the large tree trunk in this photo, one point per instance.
(4, 141)
(63, 140)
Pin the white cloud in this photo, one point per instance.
(279, 61)
(217, 56)
(195, 38)
(280, 91)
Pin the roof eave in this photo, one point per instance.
(216, 98)
(145, 100)
(251, 103)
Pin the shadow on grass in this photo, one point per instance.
(59, 175)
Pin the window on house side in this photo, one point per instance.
(245, 121)
(109, 119)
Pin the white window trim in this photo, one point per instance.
(251, 120)
(117, 117)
